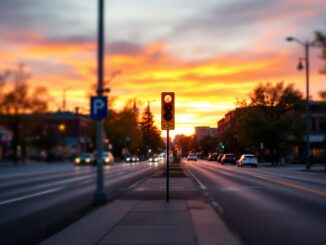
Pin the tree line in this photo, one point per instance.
(125, 129)
(23, 110)
(264, 119)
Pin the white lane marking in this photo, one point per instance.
(87, 181)
(201, 185)
(135, 184)
(216, 205)
(208, 195)
(30, 196)
(119, 174)
(230, 188)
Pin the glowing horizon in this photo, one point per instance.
(209, 54)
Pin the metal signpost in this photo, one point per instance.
(99, 106)
(167, 123)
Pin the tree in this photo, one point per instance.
(322, 95)
(123, 131)
(208, 145)
(151, 139)
(231, 142)
(17, 102)
(3, 79)
(267, 119)
(320, 40)
(186, 144)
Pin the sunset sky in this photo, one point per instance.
(208, 52)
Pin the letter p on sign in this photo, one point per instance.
(99, 107)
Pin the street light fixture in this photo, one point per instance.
(62, 129)
(300, 66)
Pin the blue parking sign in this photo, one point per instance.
(99, 107)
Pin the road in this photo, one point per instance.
(266, 205)
(37, 201)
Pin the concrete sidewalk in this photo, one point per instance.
(142, 216)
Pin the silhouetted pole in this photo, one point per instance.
(167, 167)
(306, 46)
(100, 195)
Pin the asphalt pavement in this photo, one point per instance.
(144, 216)
(37, 200)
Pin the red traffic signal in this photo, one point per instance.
(167, 110)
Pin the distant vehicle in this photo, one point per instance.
(108, 158)
(85, 159)
(248, 160)
(192, 157)
(228, 158)
(219, 157)
(154, 159)
(162, 156)
(132, 159)
(212, 157)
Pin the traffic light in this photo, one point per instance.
(167, 110)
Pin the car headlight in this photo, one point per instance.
(128, 159)
(77, 160)
(106, 160)
(88, 160)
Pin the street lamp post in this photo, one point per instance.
(306, 46)
(100, 195)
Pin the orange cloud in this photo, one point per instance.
(205, 90)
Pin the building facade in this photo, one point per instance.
(317, 132)
(204, 131)
(59, 135)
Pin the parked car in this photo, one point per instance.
(228, 158)
(192, 157)
(219, 157)
(212, 157)
(85, 159)
(248, 160)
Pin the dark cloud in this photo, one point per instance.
(123, 47)
(236, 15)
(23, 14)
(73, 39)
(46, 17)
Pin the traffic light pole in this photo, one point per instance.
(167, 167)
(167, 123)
